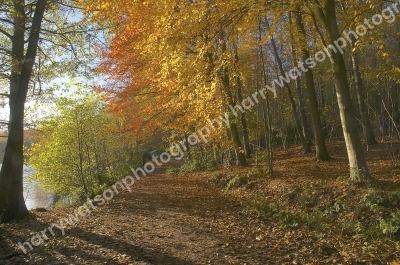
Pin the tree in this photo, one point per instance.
(78, 150)
(183, 63)
(327, 16)
(368, 133)
(321, 152)
(12, 203)
(303, 140)
(27, 64)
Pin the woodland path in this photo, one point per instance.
(190, 219)
(164, 220)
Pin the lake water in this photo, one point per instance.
(35, 196)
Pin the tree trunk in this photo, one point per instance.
(355, 152)
(303, 116)
(13, 193)
(188, 148)
(368, 133)
(225, 78)
(243, 121)
(321, 152)
(217, 154)
(17, 50)
(268, 133)
(303, 141)
(240, 156)
(266, 112)
(246, 139)
(12, 204)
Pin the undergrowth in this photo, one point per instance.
(372, 213)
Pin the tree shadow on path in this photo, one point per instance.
(139, 253)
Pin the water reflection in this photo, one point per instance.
(35, 196)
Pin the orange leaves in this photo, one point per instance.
(164, 58)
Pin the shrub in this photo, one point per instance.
(261, 206)
(390, 225)
(236, 182)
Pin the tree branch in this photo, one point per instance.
(8, 35)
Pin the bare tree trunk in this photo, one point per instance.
(18, 40)
(225, 78)
(246, 138)
(243, 121)
(17, 50)
(188, 148)
(303, 116)
(303, 141)
(268, 133)
(321, 152)
(12, 204)
(268, 130)
(240, 156)
(368, 133)
(355, 152)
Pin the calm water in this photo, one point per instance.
(35, 196)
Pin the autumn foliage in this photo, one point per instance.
(176, 64)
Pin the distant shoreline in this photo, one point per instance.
(29, 139)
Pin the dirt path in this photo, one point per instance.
(164, 220)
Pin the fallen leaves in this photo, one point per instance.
(188, 220)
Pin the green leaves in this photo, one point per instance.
(77, 150)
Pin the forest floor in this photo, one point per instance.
(306, 213)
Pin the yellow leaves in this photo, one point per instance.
(396, 69)
(104, 5)
(169, 46)
(372, 4)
